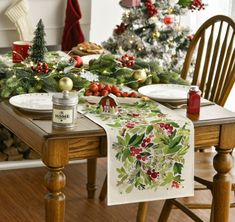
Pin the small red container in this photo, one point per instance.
(20, 51)
(194, 100)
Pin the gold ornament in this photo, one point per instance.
(140, 75)
(66, 84)
(170, 10)
(156, 34)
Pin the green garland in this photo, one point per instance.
(22, 78)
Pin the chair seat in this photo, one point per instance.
(204, 170)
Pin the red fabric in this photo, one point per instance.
(72, 34)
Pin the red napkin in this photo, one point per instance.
(72, 34)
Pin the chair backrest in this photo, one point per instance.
(214, 69)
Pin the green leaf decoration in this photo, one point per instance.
(175, 141)
(121, 140)
(149, 129)
(127, 138)
(136, 140)
(126, 153)
(169, 177)
(133, 138)
(174, 149)
(178, 168)
(129, 189)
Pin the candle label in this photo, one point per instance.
(63, 116)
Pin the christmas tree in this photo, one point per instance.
(150, 29)
(38, 48)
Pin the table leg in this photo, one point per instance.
(223, 163)
(55, 157)
(55, 199)
(91, 177)
(142, 212)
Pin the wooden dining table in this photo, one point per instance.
(215, 126)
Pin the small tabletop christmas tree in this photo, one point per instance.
(38, 48)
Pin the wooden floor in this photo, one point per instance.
(22, 191)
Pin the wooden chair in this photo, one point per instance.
(213, 50)
(214, 72)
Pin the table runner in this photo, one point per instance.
(150, 151)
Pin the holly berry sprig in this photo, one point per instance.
(197, 5)
(127, 61)
(151, 9)
(41, 67)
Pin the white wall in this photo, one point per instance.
(52, 12)
(105, 15)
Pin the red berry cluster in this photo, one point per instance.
(127, 61)
(120, 28)
(147, 140)
(41, 67)
(130, 125)
(135, 151)
(98, 89)
(151, 9)
(175, 184)
(197, 5)
(167, 127)
(153, 174)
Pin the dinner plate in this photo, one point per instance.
(86, 59)
(165, 92)
(33, 102)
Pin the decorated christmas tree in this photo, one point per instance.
(151, 29)
(38, 48)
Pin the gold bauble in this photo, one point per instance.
(66, 84)
(156, 34)
(170, 10)
(140, 75)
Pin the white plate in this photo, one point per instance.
(165, 92)
(86, 59)
(34, 102)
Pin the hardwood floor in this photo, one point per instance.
(22, 191)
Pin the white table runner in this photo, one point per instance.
(150, 152)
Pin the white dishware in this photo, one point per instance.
(86, 59)
(165, 92)
(34, 102)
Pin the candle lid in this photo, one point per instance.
(65, 99)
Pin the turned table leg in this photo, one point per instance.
(223, 163)
(55, 157)
(91, 177)
(55, 199)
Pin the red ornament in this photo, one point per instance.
(120, 28)
(127, 61)
(197, 5)
(151, 9)
(78, 60)
(168, 20)
(41, 67)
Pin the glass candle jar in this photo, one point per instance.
(193, 100)
(64, 109)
